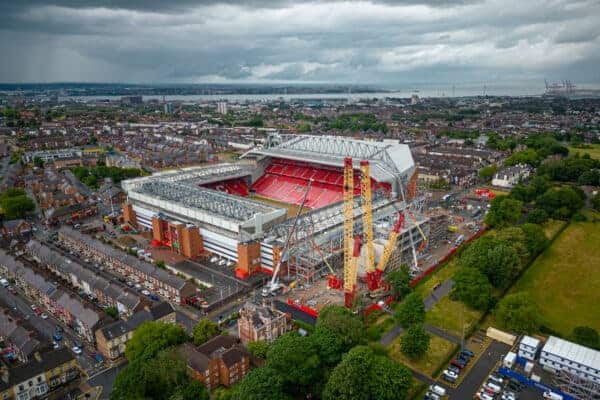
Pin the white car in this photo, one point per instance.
(437, 389)
(145, 292)
(33, 307)
(76, 350)
(493, 387)
(44, 316)
(451, 374)
(509, 396)
(485, 396)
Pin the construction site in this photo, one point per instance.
(322, 217)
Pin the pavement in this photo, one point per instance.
(46, 327)
(429, 302)
(434, 330)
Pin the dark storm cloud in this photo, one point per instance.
(381, 41)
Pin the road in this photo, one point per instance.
(106, 379)
(47, 327)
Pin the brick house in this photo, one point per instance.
(262, 322)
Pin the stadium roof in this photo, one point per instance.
(389, 159)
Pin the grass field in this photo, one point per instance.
(449, 315)
(441, 275)
(439, 351)
(593, 150)
(564, 280)
(552, 226)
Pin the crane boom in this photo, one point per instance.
(273, 285)
(348, 208)
(391, 244)
(365, 188)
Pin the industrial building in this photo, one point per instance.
(243, 212)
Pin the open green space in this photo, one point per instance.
(451, 315)
(592, 149)
(439, 351)
(564, 279)
(442, 274)
(552, 227)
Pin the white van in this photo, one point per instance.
(437, 389)
(552, 396)
(4, 282)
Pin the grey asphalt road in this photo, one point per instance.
(437, 294)
(482, 368)
(434, 330)
(106, 379)
(46, 327)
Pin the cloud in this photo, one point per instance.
(384, 42)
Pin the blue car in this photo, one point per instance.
(57, 336)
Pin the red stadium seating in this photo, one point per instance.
(233, 186)
(286, 181)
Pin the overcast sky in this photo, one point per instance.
(379, 42)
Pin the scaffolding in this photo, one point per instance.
(583, 389)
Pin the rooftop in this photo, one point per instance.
(573, 352)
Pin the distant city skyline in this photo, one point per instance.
(382, 42)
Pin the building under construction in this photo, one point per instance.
(240, 212)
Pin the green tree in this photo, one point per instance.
(155, 378)
(258, 348)
(112, 311)
(204, 330)
(473, 288)
(260, 384)
(296, 358)
(415, 342)
(560, 203)
(330, 345)
(160, 264)
(537, 216)
(223, 393)
(15, 204)
(528, 156)
(518, 313)
(343, 323)
(193, 390)
(535, 238)
(152, 337)
(399, 281)
(504, 211)
(487, 173)
(497, 260)
(364, 375)
(596, 202)
(586, 336)
(411, 311)
(38, 162)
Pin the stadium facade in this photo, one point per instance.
(241, 211)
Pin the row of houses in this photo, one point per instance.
(82, 277)
(40, 377)
(20, 342)
(155, 279)
(66, 307)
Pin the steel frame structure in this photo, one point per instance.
(583, 389)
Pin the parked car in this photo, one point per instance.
(508, 396)
(76, 350)
(493, 387)
(145, 292)
(467, 353)
(496, 379)
(458, 363)
(34, 307)
(437, 389)
(57, 336)
(55, 345)
(485, 396)
(44, 316)
(431, 396)
(454, 368)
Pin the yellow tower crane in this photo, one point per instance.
(367, 217)
(348, 208)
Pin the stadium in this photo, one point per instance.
(243, 212)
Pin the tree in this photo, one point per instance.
(38, 162)
(343, 323)
(364, 375)
(160, 264)
(535, 238)
(295, 357)
(194, 390)
(415, 342)
(596, 202)
(330, 346)
(15, 204)
(411, 311)
(518, 313)
(496, 259)
(487, 173)
(152, 337)
(473, 288)
(528, 156)
(537, 216)
(503, 211)
(112, 311)
(204, 330)
(560, 203)
(399, 281)
(586, 336)
(259, 384)
(155, 378)
(258, 348)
